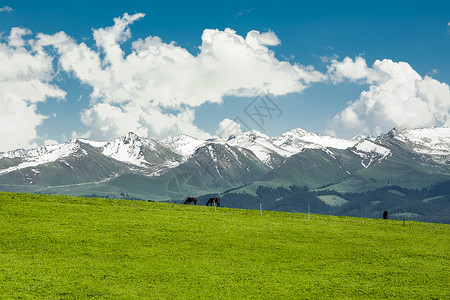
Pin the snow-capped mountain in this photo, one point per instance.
(270, 149)
(298, 138)
(360, 137)
(183, 144)
(296, 157)
(261, 145)
(434, 142)
(26, 158)
(142, 152)
(370, 152)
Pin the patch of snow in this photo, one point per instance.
(368, 146)
(39, 156)
(234, 154)
(328, 151)
(430, 141)
(94, 144)
(370, 152)
(127, 149)
(183, 144)
(260, 144)
(298, 139)
(361, 137)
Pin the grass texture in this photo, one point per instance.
(57, 247)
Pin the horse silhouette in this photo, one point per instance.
(211, 201)
(190, 200)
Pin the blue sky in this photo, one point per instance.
(409, 38)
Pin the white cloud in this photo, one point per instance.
(15, 38)
(107, 121)
(353, 70)
(397, 97)
(6, 9)
(158, 76)
(50, 142)
(24, 82)
(227, 128)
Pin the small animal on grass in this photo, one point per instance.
(191, 200)
(211, 201)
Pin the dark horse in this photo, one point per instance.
(211, 201)
(190, 200)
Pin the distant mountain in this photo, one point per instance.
(175, 168)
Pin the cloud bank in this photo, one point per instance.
(397, 97)
(25, 74)
(154, 89)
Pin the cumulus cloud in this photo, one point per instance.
(6, 9)
(353, 70)
(397, 97)
(156, 77)
(106, 120)
(25, 74)
(15, 38)
(50, 142)
(227, 128)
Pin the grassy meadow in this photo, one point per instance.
(57, 247)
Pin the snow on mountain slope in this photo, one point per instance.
(128, 148)
(169, 153)
(260, 144)
(370, 152)
(39, 156)
(183, 144)
(361, 137)
(297, 139)
(94, 144)
(368, 146)
(431, 141)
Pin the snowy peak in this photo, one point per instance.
(149, 154)
(360, 137)
(38, 156)
(297, 132)
(129, 149)
(286, 145)
(130, 138)
(260, 144)
(429, 137)
(183, 144)
(370, 152)
(429, 141)
(298, 139)
(59, 150)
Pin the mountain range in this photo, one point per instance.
(175, 168)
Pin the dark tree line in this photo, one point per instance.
(400, 202)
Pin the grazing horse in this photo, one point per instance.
(190, 200)
(211, 201)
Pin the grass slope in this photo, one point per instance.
(56, 247)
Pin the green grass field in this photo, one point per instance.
(56, 247)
